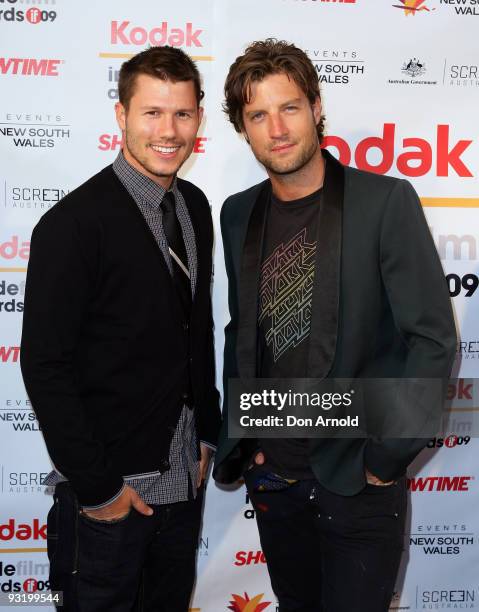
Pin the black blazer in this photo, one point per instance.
(381, 309)
(105, 347)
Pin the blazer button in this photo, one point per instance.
(164, 465)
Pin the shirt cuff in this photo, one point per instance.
(209, 445)
(107, 502)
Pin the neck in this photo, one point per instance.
(162, 181)
(301, 183)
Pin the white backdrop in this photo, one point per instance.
(400, 92)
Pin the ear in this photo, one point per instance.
(201, 112)
(120, 112)
(317, 109)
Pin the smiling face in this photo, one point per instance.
(280, 125)
(159, 126)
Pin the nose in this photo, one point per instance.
(277, 127)
(165, 127)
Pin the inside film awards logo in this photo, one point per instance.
(10, 12)
(411, 7)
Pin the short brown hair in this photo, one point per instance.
(263, 58)
(166, 63)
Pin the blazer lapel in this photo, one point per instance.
(246, 346)
(325, 301)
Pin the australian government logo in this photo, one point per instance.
(413, 73)
(337, 66)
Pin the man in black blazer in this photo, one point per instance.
(332, 273)
(117, 355)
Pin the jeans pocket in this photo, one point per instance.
(87, 518)
(62, 540)
(52, 529)
(384, 501)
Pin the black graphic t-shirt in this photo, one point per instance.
(284, 320)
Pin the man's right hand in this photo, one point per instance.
(258, 459)
(120, 507)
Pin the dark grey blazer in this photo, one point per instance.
(381, 309)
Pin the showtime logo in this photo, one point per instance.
(112, 142)
(251, 557)
(415, 162)
(9, 354)
(440, 483)
(23, 531)
(29, 66)
(122, 33)
(14, 248)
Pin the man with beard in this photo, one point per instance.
(117, 354)
(332, 273)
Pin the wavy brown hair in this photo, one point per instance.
(263, 58)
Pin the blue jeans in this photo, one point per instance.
(137, 563)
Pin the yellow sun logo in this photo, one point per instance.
(245, 604)
(411, 7)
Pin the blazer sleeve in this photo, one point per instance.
(419, 299)
(230, 369)
(60, 281)
(209, 413)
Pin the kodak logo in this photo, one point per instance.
(23, 531)
(122, 33)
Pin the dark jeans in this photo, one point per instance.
(330, 553)
(137, 563)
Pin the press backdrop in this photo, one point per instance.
(400, 91)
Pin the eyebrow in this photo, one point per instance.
(284, 105)
(176, 110)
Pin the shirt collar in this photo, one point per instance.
(140, 184)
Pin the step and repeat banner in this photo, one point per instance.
(400, 84)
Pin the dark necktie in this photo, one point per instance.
(176, 245)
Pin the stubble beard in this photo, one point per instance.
(143, 161)
(295, 165)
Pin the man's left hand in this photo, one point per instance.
(374, 480)
(206, 453)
